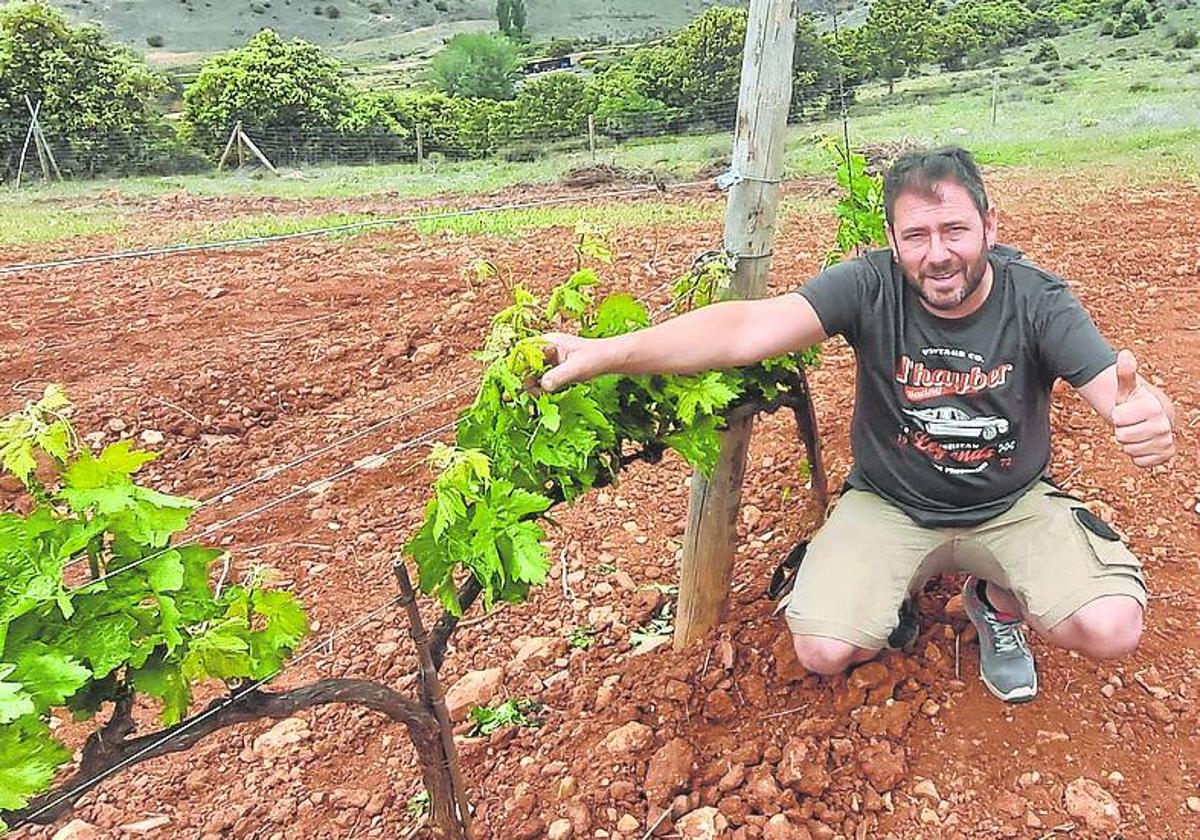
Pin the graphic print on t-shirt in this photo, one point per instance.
(956, 440)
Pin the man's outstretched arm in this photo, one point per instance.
(723, 335)
(1142, 416)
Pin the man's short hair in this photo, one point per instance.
(921, 172)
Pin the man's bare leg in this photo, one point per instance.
(823, 655)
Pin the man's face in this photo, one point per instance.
(941, 243)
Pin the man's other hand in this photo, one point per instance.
(574, 359)
(1140, 420)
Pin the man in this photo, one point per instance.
(958, 343)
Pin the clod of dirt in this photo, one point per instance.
(670, 770)
(601, 174)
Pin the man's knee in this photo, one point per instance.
(822, 655)
(1107, 628)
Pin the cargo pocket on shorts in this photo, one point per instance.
(1114, 556)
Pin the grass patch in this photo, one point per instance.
(251, 226)
(26, 224)
(614, 216)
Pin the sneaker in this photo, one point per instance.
(1006, 664)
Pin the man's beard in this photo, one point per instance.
(974, 274)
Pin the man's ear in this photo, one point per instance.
(891, 238)
(989, 227)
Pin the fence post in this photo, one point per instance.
(995, 95)
(233, 138)
(249, 144)
(28, 139)
(420, 146)
(764, 99)
(592, 136)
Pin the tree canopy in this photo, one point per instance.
(271, 86)
(97, 98)
(477, 65)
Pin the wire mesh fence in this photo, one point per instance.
(600, 135)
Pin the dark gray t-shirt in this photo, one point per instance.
(952, 415)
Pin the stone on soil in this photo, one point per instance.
(475, 688)
(560, 830)
(882, 766)
(626, 740)
(77, 830)
(701, 824)
(280, 740)
(1086, 800)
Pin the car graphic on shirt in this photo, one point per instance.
(951, 422)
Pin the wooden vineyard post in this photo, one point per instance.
(763, 105)
(591, 126)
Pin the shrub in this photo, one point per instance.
(1186, 40)
(155, 41)
(1046, 51)
(551, 106)
(621, 106)
(333, 12)
(455, 126)
(1125, 27)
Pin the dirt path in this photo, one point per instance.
(244, 361)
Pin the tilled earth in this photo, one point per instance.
(236, 363)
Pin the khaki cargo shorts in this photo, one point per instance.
(870, 555)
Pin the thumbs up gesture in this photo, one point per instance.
(1140, 417)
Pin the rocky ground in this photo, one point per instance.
(232, 364)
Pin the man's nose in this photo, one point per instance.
(938, 252)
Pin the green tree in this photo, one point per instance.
(272, 86)
(900, 35)
(511, 15)
(622, 107)
(707, 59)
(98, 98)
(477, 65)
(454, 126)
(953, 41)
(551, 106)
(814, 66)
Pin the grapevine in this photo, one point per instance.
(519, 452)
(142, 617)
(860, 210)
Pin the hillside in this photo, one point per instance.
(170, 30)
(182, 32)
